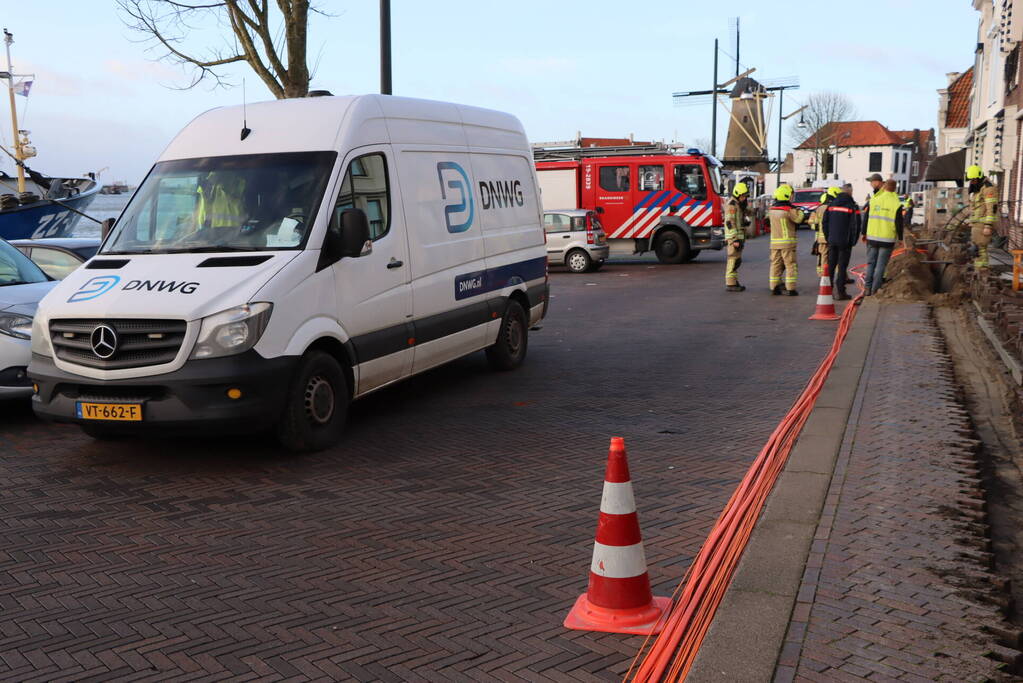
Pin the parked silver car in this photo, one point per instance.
(22, 285)
(576, 239)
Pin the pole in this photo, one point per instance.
(737, 20)
(713, 108)
(781, 106)
(8, 39)
(385, 47)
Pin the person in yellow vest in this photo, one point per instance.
(983, 210)
(907, 211)
(882, 229)
(221, 201)
(736, 220)
(784, 218)
(816, 221)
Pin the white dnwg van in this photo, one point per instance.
(276, 264)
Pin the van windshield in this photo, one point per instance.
(256, 202)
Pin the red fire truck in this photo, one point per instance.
(649, 197)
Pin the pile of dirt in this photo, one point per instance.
(909, 279)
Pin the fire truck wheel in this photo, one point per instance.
(578, 261)
(672, 247)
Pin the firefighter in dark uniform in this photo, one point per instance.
(736, 220)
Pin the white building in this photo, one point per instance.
(852, 151)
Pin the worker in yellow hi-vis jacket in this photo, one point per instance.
(784, 218)
(736, 220)
(984, 206)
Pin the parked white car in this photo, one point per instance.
(263, 277)
(22, 285)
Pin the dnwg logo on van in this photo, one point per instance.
(458, 217)
(94, 287)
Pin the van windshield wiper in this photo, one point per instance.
(133, 252)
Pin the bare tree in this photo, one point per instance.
(270, 39)
(702, 143)
(818, 132)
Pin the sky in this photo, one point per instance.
(603, 68)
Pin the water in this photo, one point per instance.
(102, 207)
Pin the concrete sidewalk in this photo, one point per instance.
(870, 560)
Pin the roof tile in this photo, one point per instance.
(958, 113)
(852, 134)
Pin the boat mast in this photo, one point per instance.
(8, 39)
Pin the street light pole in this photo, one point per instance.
(714, 107)
(385, 47)
(781, 108)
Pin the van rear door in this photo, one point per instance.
(374, 292)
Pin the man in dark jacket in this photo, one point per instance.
(841, 225)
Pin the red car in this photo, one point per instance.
(807, 199)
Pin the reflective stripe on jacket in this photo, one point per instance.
(783, 220)
(985, 205)
(884, 207)
(734, 218)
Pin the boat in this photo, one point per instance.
(33, 204)
(118, 187)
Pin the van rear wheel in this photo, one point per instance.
(317, 405)
(508, 352)
(672, 247)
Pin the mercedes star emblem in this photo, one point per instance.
(104, 341)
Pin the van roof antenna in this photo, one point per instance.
(245, 124)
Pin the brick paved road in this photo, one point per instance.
(449, 534)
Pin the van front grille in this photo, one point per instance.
(133, 344)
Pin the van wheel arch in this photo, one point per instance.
(344, 354)
(520, 296)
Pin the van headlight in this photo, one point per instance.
(232, 331)
(16, 325)
(40, 344)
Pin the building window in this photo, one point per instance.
(829, 163)
(614, 178)
(875, 162)
(916, 168)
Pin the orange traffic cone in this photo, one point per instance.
(825, 303)
(618, 599)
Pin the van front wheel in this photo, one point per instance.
(317, 405)
(508, 352)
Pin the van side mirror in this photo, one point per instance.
(347, 235)
(355, 241)
(105, 227)
(599, 209)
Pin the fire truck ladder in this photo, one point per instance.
(542, 153)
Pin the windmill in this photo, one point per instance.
(744, 100)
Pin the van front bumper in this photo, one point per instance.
(191, 399)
